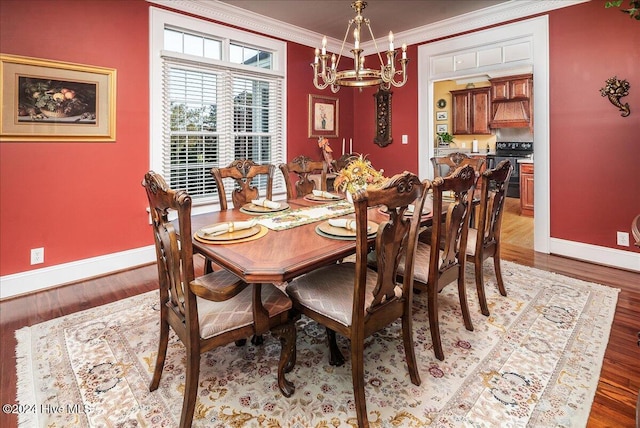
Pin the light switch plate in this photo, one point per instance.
(405, 139)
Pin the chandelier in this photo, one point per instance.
(328, 75)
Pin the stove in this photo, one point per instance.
(512, 150)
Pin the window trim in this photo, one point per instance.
(159, 19)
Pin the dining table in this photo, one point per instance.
(279, 255)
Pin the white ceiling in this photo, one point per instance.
(330, 17)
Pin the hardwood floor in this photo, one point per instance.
(615, 401)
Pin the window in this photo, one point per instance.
(217, 95)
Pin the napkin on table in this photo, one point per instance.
(264, 202)
(326, 195)
(347, 223)
(231, 226)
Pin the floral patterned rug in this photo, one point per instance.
(534, 362)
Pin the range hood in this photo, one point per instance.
(511, 114)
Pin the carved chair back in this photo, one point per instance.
(242, 171)
(303, 167)
(444, 165)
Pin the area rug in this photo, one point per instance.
(534, 362)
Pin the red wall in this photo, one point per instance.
(299, 86)
(396, 157)
(78, 200)
(81, 200)
(595, 152)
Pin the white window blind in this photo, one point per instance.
(217, 95)
(214, 115)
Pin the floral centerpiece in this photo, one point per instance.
(358, 174)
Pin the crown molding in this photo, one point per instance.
(483, 18)
(490, 16)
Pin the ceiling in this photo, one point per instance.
(330, 17)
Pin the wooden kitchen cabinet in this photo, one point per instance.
(526, 189)
(512, 88)
(471, 111)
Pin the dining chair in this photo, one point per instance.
(352, 300)
(444, 165)
(484, 240)
(243, 172)
(303, 167)
(441, 260)
(211, 310)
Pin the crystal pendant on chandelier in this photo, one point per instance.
(328, 75)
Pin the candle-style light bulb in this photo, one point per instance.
(356, 37)
(404, 51)
(333, 61)
(390, 40)
(316, 58)
(324, 45)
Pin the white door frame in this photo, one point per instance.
(467, 46)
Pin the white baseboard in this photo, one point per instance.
(39, 279)
(595, 254)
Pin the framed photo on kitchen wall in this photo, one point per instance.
(323, 116)
(46, 100)
(442, 128)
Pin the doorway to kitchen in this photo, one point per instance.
(521, 44)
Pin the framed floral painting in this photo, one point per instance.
(45, 100)
(323, 116)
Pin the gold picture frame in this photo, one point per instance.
(323, 116)
(46, 100)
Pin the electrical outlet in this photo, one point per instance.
(623, 239)
(37, 256)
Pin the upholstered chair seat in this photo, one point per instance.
(329, 290)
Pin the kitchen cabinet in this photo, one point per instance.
(512, 101)
(526, 189)
(511, 88)
(471, 111)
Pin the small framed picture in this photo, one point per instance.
(442, 115)
(442, 128)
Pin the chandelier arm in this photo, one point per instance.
(367, 22)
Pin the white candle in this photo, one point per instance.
(316, 58)
(390, 40)
(404, 51)
(343, 146)
(324, 45)
(350, 145)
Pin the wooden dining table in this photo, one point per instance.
(279, 255)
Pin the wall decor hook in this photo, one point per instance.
(614, 90)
